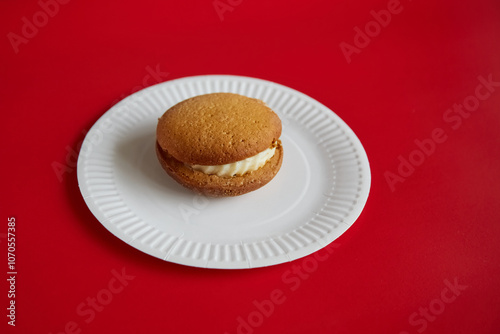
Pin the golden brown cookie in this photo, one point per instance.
(216, 186)
(225, 132)
(216, 129)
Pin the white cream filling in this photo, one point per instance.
(239, 167)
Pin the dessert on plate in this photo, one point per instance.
(220, 144)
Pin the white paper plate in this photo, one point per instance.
(317, 195)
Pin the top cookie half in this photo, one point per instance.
(217, 129)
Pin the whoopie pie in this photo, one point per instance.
(220, 144)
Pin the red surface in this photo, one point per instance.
(390, 273)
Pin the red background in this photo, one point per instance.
(441, 223)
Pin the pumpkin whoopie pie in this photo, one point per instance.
(220, 144)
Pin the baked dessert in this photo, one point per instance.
(220, 144)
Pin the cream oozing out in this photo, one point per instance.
(239, 167)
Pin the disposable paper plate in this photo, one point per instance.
(317, 195)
